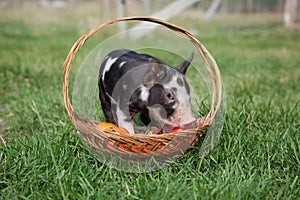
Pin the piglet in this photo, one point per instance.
(133, 84)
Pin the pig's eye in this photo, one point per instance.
(169, 96)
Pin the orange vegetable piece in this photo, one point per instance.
(107, 126)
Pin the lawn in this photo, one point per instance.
(258, 153)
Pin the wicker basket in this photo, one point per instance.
(142, 147)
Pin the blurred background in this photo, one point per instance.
(289, 9)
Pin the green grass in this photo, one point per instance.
(258, 154)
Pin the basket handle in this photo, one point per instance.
(214, 72)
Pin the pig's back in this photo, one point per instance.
(119, 62)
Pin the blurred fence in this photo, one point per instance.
(248, 6)
(289, 8)
(245, 6)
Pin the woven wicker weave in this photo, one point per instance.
(141, 146)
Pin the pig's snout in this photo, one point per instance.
(184, 121)
(187, 121)
(190, 125)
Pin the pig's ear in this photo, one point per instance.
(153, 74)
(184, 65)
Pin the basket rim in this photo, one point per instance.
(214, 72)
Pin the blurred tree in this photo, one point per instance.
(212, 9)
(106, 4)
(147, 6)
(17, 3)
(249, 6)
(122, 12)
(292, 13)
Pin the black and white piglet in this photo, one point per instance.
(139, 84)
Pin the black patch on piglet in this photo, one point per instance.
(159, 96)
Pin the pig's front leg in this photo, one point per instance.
(124, 120)
(145, 117)
(127, 125)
